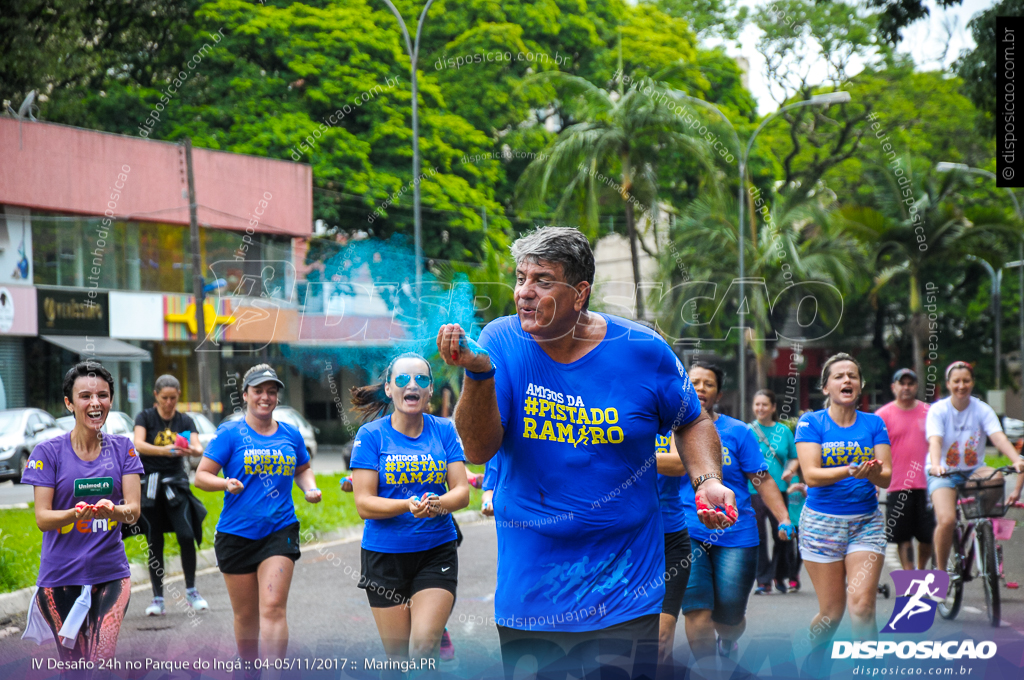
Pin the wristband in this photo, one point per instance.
(312, 489)
(486, 375)
(703, 478)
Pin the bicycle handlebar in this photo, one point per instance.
(1006, 469)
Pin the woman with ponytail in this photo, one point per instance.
(408, 475)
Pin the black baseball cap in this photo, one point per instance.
(903, 372)
(259, 377)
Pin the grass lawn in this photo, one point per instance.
(21, 541)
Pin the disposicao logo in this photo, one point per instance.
(914, 612)
(915, 609)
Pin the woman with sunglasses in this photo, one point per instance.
(957, 427)
(408, 476)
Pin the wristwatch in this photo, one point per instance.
(703, 478)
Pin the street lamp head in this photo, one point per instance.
(950, 167)
(831, 98)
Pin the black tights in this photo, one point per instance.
(156, 561)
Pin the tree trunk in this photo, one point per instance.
(635, 255)
(918, 329)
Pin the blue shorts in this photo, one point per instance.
(951, 482)
(721, 580)
(828, 538)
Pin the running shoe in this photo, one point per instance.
(196, 601)
(447, 650)
(780, 586)
(727, 648)
(156, 608)
(763, 590)
(794, 585)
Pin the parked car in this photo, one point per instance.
(117, 422)
(286, 414)
(204, 428)
(21, 429)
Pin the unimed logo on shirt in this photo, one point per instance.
(95, 486)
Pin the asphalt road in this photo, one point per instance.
(329, 619)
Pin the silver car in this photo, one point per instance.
(286, 414)
(21, 429)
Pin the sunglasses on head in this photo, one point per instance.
(421, 380)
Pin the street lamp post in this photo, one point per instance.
(961, 167)
(819, 100)
(413, 50)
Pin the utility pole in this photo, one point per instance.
(197, 283)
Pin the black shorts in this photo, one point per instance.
(631, 647)
(391, 579)
(907, 516)
(677, 571)
(240, 555)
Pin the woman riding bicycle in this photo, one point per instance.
(956, 429)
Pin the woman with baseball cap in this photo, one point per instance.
(257, 539)
(409, 475)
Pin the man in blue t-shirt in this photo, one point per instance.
(575, 399)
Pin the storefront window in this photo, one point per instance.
(83, 253)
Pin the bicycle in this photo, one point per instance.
(973, 553)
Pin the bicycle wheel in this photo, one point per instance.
(950, 607)
(989, 571)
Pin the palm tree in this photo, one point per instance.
(620, 134)
(907, 238)
(798, 240)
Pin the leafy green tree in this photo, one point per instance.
(795, 243)
(709, 18)
(977, 67)
(917, 226)
(621, 134)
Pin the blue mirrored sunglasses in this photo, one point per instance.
(421, 380)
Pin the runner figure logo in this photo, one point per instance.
(915, 608)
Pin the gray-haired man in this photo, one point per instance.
(575, 399)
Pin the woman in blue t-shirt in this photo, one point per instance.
(408, 475)
(844, 455)
(257, 539)
(724, 564)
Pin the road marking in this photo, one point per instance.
(973, 610)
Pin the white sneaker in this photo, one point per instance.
(156, 608)
(196, 601)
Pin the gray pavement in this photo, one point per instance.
(329, 617)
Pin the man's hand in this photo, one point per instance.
(786, 531)
(313, 495)
(234, 487)
(456, 349)
(712, 495)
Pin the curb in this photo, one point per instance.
(16, 603)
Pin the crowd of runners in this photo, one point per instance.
(621, 495)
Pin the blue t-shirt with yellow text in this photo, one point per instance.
(266, 466)
(580, 538)
(672, 519)
(843, 446)
(408, 467)
(740, 455)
